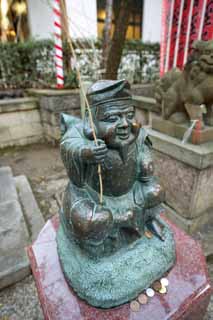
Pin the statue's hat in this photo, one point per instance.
(108, 90)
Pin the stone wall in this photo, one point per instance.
(52, 103)
(20, 122)
(37, 117)
(145, 90)
(146, 109)
(186, 173)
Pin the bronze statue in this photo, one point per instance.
(132, 196)
(188, 95)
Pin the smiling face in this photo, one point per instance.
(116, 124)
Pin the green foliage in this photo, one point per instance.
(70, 80)
(147, 65)
(21, 63)
(139, 45)
(31, 64)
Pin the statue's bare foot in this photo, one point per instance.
(156, 228)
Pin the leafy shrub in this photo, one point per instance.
(31, 64)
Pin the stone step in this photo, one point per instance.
(146, 103)
(203, 232)
(20, 223)
(205, 236)
(7, 185)
(31, 211)
(14, 238)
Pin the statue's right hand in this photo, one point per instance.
(93, 153)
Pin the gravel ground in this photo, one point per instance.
(43, 167)
(20, 302)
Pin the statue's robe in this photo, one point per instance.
(128, 182)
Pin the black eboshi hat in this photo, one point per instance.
(108, 90)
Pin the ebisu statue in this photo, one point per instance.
(103, 250)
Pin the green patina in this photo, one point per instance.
(110, 281)
(104, 254)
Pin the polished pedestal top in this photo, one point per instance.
(187, 298)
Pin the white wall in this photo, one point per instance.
(82, 18)
(151, 27)
(41, 20)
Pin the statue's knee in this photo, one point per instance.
(80, 217)
(90, 221)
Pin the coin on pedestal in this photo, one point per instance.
(157, 285)
(163, 290)
(164, 282)
(134, 306)
(142, 298)
(150, 292)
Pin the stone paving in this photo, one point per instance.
(20, 302)
(20, 223)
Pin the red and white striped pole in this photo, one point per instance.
(58, 44)
(163, 37)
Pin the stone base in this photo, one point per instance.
(99, 281)
(20, 122)
(146, 109)
(178, 131)
(52, 104)
(190, 226)
(20, 222)
(187, 298)
(186, 173)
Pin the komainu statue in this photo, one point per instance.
(104, 253)
(188, 95)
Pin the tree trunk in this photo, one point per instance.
(118, 40)
(106, 32)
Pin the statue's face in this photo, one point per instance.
(116, 124)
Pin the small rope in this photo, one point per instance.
(188, 132)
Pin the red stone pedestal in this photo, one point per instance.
(187, 298)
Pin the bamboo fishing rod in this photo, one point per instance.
(83, 93)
